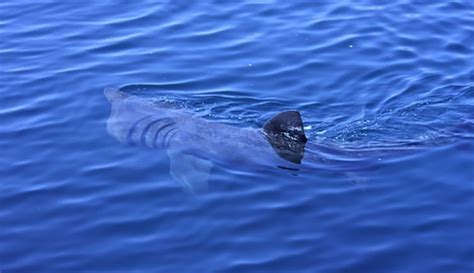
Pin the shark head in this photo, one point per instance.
(285, 133)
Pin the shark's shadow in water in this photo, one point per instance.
(195, 144)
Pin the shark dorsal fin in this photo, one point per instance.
(285, 133)
(286, 124)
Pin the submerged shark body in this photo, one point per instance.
(195, 144)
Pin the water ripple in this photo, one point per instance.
(386, 90)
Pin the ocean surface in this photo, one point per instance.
(386, 86)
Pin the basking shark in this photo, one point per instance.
(194, 144)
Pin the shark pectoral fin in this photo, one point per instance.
(191, 171)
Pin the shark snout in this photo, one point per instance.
(112, 94)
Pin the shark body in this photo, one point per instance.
(194, 144)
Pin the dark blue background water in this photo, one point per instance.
(369, 77)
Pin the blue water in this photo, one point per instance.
(388, 85)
